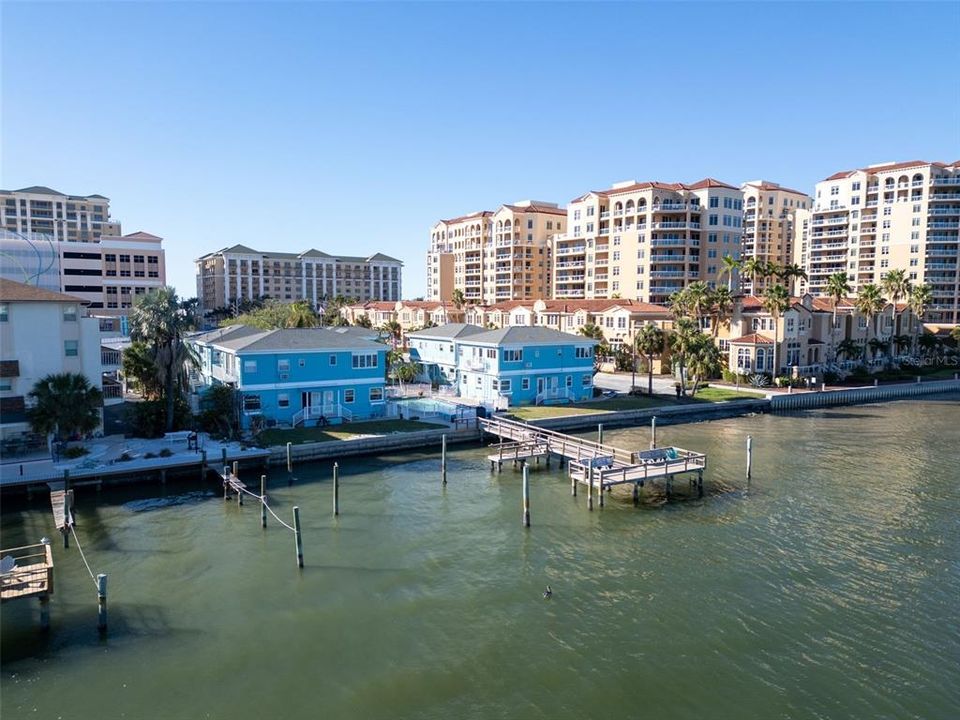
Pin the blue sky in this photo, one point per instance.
(352, 128)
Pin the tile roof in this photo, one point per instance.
(450, 330)
(549, 210)
(13, 291)
(752, 339)
(470, 216)
(888, 167)
(527, 335)
(772, 186)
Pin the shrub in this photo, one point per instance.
(124, 458)
(147, 419)
(75, 452)
(166, 452)
(149, 456)
(831, 378)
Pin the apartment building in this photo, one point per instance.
(868, 221)
(770, 226)
(646, 240)
(107, 274)
(409, 314)
(239, 272)
(493, 256)
(67, 218)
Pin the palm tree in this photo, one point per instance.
(64, 404)
(703, 360)
(790, 272)
(901, 341)
(159, 321)
(870, 302)
(393, 330)
(139, 370)
(699, 299)
(730, 265)
(838, 287)
(849, 348)
(364, 322)
(754, 267)
(928, 342)
(721, 308)
(458, 299)
(896, 285)
(920, 298)
(650, 341)
(595, 332)
(681, 341)
(776, 301)
(301, 315)
(680, 303)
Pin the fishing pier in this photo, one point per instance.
(590, 463)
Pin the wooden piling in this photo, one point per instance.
(600, 486)
(296, 532)
(102, 603)
(226, 482)
(45, 611)
(263, 501)
(699, 483)
(749, 455)
(600, 434)
(443, 458)
(236, 468)
(590, 488)
(573, 484)
(223, 453)
(289, 457)
(526, 496)
(636, 494)
(203, 464)
(653, 433)
(336, 489)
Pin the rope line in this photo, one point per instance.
(262, 499)
(83, 557)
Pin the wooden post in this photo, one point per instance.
(526, 496)
(443, 458)
(45, 611)
(636, 494)
(239, 494)
(573, 482)
(653, 433)
(749, 455)
(600, 485)
(223, 452)
(236, 468)
(700, 483)
(263, 501)
(102, 603)
(336, 489)
(66, 482)
(590, 488)
(203, 464)
(226, 483)
(289, 457)
(296, 531)
(600, 434)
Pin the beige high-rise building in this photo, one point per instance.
(770, 225)
(494, 256)
(883, 217)
(644, 241)
(69, 218)
(240, 273)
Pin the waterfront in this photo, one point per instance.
(828, 589)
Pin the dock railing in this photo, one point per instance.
(32, 573)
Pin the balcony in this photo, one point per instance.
(945, 180)
(673, 207)
(663, 257)
(945, 224)
(574, 250)
(941, 238)
(668, 242)
(944, 211)
(941, 266)
(939, 197)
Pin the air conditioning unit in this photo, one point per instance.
(284, 376)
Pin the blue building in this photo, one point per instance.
(296, 375)
(525, 365)
(436, 350)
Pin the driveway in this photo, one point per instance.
(621, 382)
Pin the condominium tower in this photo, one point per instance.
(241, 273)
(493, 256)
(646, 240)
(69, 218)
(770, 225)
(869, 221)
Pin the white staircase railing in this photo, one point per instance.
(329, 411)
(554, 394)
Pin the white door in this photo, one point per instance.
(539, 385)
(328, 397)
(554, 382)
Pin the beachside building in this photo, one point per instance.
(645, 241)
(769, 226)
(493, 256)
(436, 350)
(239, 273)
(409, 314)
(41, 333)
(61, 217)
(525, 366)
(296, 375)
(883, 217)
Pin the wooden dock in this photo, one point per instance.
(28, 572)
(596, 465)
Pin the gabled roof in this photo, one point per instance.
(39, 190)
(141, 235)
(480, 214)
(527, 335)
(888, 167)
(534, 208)
(382, 257)
(229, 332)
(13, 291)
(314, 253)
(306, 339)
(710, 183)
(752, 339)
(240, 249)
(448, 331)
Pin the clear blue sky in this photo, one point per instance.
(352, 128)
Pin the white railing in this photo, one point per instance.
(328, 411)
(554, 394)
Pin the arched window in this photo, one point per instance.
(903, 180)
(761, 358)
(618, 207)
(918, 178)
(641, 205)
(629, 207)
(888, 182)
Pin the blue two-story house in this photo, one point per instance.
(525, 365)
(436, 350)
(296, 375)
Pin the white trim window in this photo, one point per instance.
(586, 380)
(506, 385)
(364, 360)
(513, 355)
(249, 366)
(349, 395)
(251, 403)
(376, 394)
(584, 351)
(569, 381)
(283, 400)
(525, 383)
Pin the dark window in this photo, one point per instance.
(83, 288)
(82, 256)
(82, 271)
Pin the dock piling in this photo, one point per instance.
(749, 455)
(443, 458)
(336, 489)
(236, 468)
(289, 457)
(263, 501)
(44, 611)
(203, 464)
(653, 433)
(296, 532)
(700, 483)
(526, 496)
(600, 486)
(600, 434)
(102, 603)
(223, 454)
(636, 494)
(226, 482)
(590, 488)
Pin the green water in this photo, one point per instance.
(828, 589)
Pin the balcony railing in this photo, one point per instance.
(945, 180)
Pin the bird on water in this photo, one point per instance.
(548, 593)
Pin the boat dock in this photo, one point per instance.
(593, 464)
(27, 572)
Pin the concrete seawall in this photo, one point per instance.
(857, 396)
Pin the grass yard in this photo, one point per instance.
(301, 435)
(591, 407)
(721, 394)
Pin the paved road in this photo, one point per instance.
(621, 382)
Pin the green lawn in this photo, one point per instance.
(721, 394)
(300, 435)
(591, 407)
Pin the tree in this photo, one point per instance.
(850, 349)
(300, 314)
(896, 285)
(218, 410)
(458, 299)
(791, 271)
(393, 330)
(139, 370)
(699, 300)
(901, 342)
(776, 301)
(755, 268)
(682, 339)
(919, 300)
(595, 332)
(870, 302)
(838, 287)
(928, 343)
(364, 322)
(729, 267)
(703, 359)
(64, 404)
(650, 341)
(680, 304)
(720, 309)
(159, 321)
